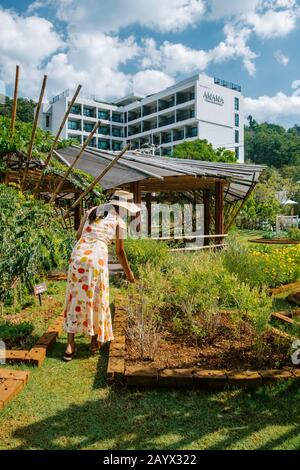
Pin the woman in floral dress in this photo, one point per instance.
(87, 297)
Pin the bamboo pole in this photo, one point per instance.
(85, 144)
(13, 117)
(96, 180)
(35, 123)
(57, 137)
(236, 213)
(15, 101)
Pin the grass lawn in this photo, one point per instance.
(70, 406)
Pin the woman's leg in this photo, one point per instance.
(70, 343)
(95, 344)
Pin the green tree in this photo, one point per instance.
(25, 109)
(201, 150)
(271, 144)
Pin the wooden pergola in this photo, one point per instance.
(222, 188)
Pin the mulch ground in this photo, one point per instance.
(227, 349)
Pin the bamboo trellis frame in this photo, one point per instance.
(97, 179)
(34, 128)
(57, 137)
(86, 143)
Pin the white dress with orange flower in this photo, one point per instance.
(87, 307)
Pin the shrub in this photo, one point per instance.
(32, 239)
(140, 252)
(294, 234)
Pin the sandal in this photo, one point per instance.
(69, 356)
(94, 348)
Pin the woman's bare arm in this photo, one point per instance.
(83, 221)
(121, 255)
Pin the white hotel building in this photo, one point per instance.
(198, 107)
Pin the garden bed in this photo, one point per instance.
(181, 363)
(20, 328)
(274, 241)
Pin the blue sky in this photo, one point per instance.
(116, 47)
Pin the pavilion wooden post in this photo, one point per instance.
(149, 213)
(35, 123)
(219, 211)
(77, 213)
(135, 188)
(206, 203)
(15, 101)
(57, 138)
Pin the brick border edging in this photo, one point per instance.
(37, 354)
(12, 383)
(120, 373)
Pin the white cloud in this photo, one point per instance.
(28, 42)
(272, 108)
(273, 23)
(148, 82)
(281, 58)
(165, 15)
(173, 58)
(177, 58)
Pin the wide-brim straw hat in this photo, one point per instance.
(124, 199)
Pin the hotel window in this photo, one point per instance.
(103, 144)
(88, 112)
(76, 109)
(103, 115)
(88, 127)
(103, 130)
(237, 120)
(237, 137)
(236, 104)
(237, 152)
(47, 120)
(74, 125)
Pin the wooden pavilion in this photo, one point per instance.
(222, 188)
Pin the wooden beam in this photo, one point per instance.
(219, 210)
(35, 123)
(149, 213)
(206, 203)
(57, 137)
(135, 188)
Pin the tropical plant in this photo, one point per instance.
(31, 239)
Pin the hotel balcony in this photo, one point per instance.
(133, 115)
(88, 126)
(184, 114)
(104, 130)
(74, 125)
(185, 96)
(166, 103)
(103, 144)
(117, 132)
(103, 115)
(89, 111)
(134, 130)
(166, 120)
(117, 117)
(150, 109)
(76, 109)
